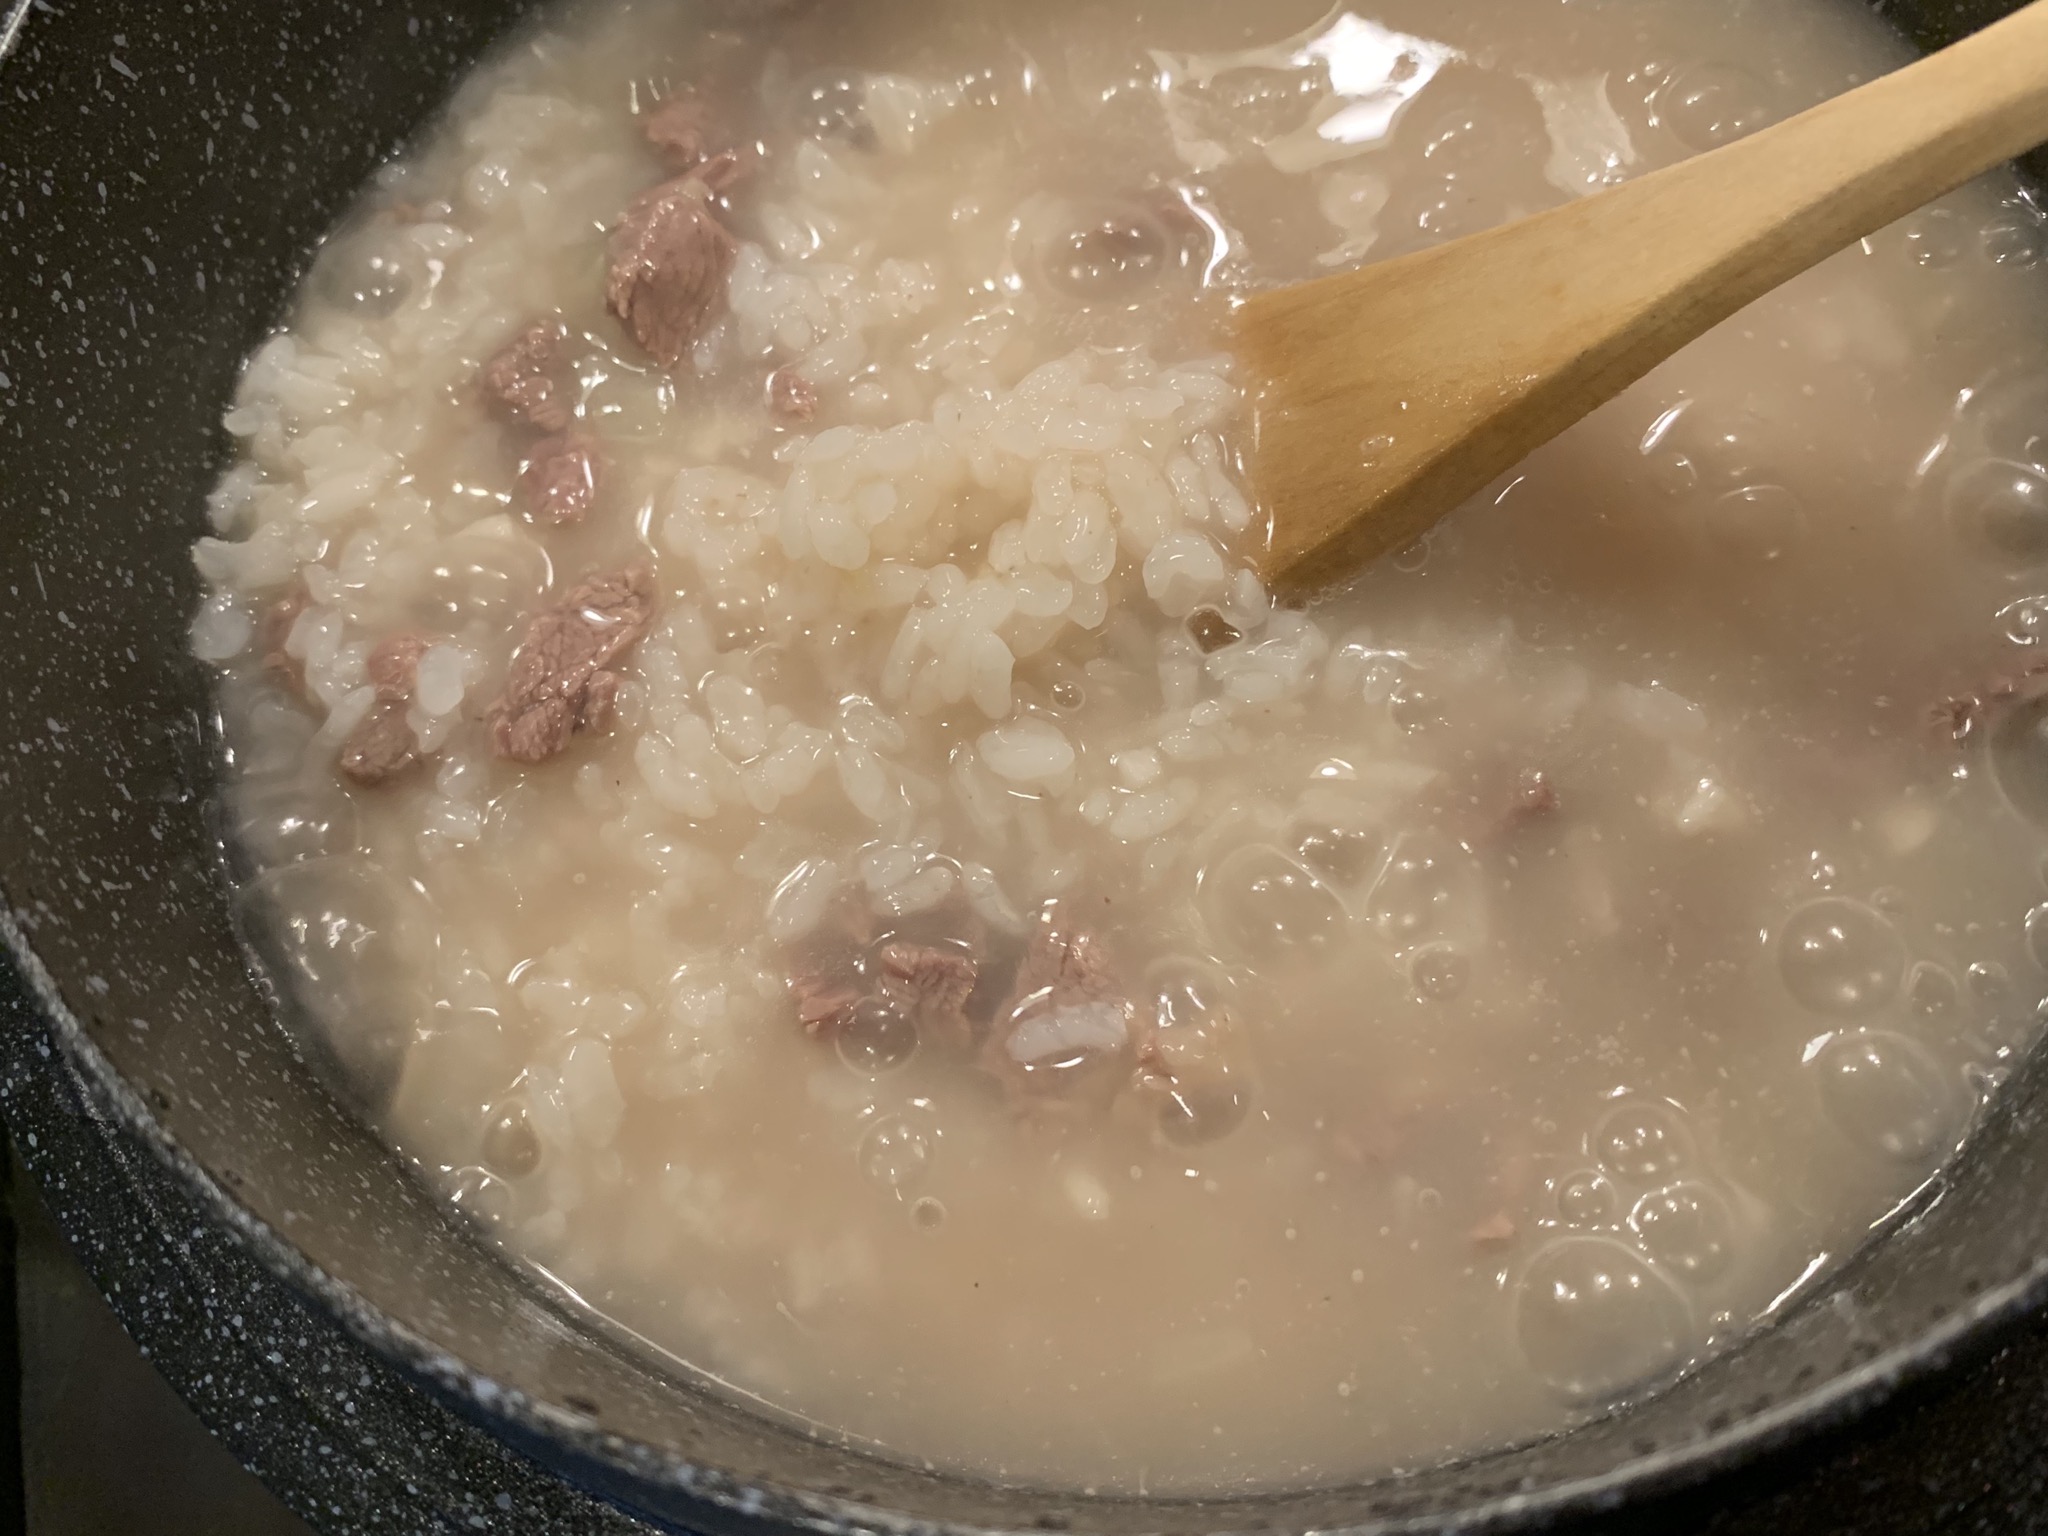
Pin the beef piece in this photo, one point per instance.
(560, 474)
(826, 976)
(1494, 1231)
(382, 745)
(1066, 1031)
(792, 398)
(528, 380)
(274, 628)
(670, 258)
(1212, 631)
(560, 681)
(1534, 795)
(394, 666)
(683, 130)
(932, 984)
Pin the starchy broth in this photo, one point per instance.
(757, 757)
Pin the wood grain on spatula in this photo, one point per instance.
(1386, 396)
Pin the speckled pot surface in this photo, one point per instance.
(164, 170)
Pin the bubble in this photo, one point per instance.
(1935, 237)
(2011, 240)
(1421, 894)
(1884, 1093)
(2037, 935)
(480, 1193)
(1839, 956)
(510, 1147)
(2001, 508)
(1593, 1319)
(1264, 905)
(2025, 621)
(1756, 522)
(1685, 1227)
(1191, 1014)
(1586, 1199)
(927, 1213)
(1708, 105)
(1439, 972)
(878, 1038)
(1202, 1111)
(1342, 855)
(895, 1154)
(2019, 758)
(1642, 1141)
(1988, 979)
(1068, 695)
(1932, 990)
(1105, 253)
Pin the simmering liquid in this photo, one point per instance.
(781, 795)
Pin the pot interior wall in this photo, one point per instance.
(163, 173)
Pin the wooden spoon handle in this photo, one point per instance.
(1384, 397)
(1726, 227)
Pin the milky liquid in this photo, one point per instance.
(1584, 928)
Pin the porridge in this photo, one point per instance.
(758, 759)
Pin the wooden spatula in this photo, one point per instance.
(1386, 396)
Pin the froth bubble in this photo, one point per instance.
(895, 1154)
(1935, 237)
(1418, 896)
(1933, 991)
(1586, 1199)
(2011, 240)
(2037, 935)
(2019, 758)
(2000, 506)
(1642, 1141)
(1711, 104)
(2025, 620)
(1439, 972)
(1594, 1319)
(878, 1038)
(1884, 1093)
(1264, 905)
(1686, 1227)
(510, 1147)
(1839, 956)
(1204, 1110)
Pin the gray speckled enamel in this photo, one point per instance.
(163, 172)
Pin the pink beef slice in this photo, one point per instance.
(274, 628)
(394, 666)
(932, 983)
(683, 130)
(670, 258)
(382, 745)
(528, 380)
(560, 474)
(560, 681)
(792, 398)
(1066, 1028)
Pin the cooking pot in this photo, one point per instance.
(164, 173)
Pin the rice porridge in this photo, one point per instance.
(758, 760)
